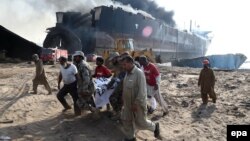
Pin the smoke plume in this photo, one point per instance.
(31, 18)
(152, 8)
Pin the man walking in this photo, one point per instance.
(153, 78)
(85, 85)
(134, 112)
(68, 73)
(207, 82)
(116, 97)
(40, 77)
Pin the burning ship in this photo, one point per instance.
(98, 29)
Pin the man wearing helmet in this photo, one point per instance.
(85, 85)
(40, 77)
(207, 82)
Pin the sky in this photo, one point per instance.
(227, 19)
(31, 18)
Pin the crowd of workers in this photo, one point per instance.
(135, 95)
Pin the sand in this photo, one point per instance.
(38, 117)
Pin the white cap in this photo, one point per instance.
(78, 53)
(113, 55)
(35, 56)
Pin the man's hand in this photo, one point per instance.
(84, 94)
(134, 108)
(156, 87)
(109, 86)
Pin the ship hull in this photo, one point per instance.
(165, 41)
(219, 62)
(99, 31)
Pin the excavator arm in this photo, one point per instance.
(123, 45)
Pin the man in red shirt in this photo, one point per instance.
(153, 79)
(101, 70)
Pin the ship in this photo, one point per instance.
(217, 62)
(97, 30)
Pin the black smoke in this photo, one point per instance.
(152, 8)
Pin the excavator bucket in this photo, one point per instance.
(105, 54)
(126, 45)
(148, 53)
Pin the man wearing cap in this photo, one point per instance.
(68, 73)
(85, 85)
(111, 60)
(153, 78)
(207, 82)
(134, 96)
(118, 75)
(40, 77)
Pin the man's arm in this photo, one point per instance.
(59, 80)
(39, 70)
(199, 81)
(107, 72)
(77, 76)
(157, 75)
(142, 90)
(85, 75)
(213, 78)
(94, 75)
(158, 82)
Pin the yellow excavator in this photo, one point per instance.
(127, 45)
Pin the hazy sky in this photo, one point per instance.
(228, 19)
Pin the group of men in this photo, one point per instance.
(77, 81)
(134, 96)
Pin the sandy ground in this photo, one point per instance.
(38, 117)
